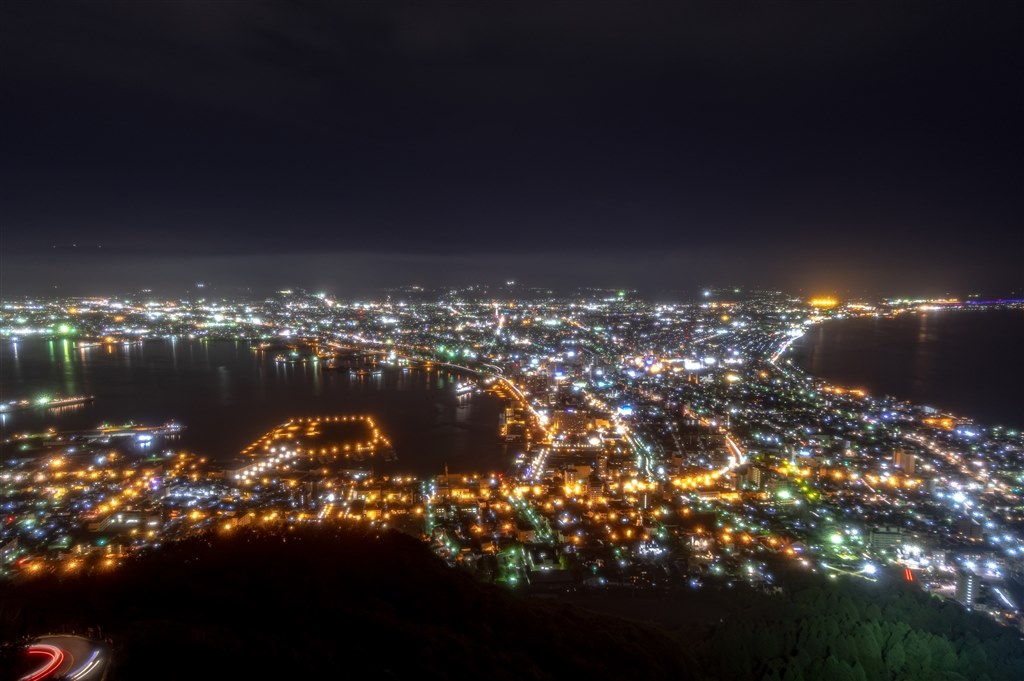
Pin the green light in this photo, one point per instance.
(836, 538)
(784, 494)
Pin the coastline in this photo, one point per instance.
(929, 379)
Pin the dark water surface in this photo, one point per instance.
(968, 362)
(227, 395)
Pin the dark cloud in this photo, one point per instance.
(848, 133)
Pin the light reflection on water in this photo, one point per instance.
(228, 394)
(967, 362)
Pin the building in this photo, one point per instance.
(750, 477)
(966, 588)
(128, 522)
(970, 529)
(885, 537)
(905, 461)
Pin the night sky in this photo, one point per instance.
(863, 147)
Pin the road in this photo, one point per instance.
(65, 657)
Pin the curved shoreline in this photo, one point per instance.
(938, 377)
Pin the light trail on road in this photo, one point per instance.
(55, 660)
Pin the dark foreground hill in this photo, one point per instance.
(326, 604)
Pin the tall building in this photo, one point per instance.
(905, 461)
(966, 588)
(749, 477)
